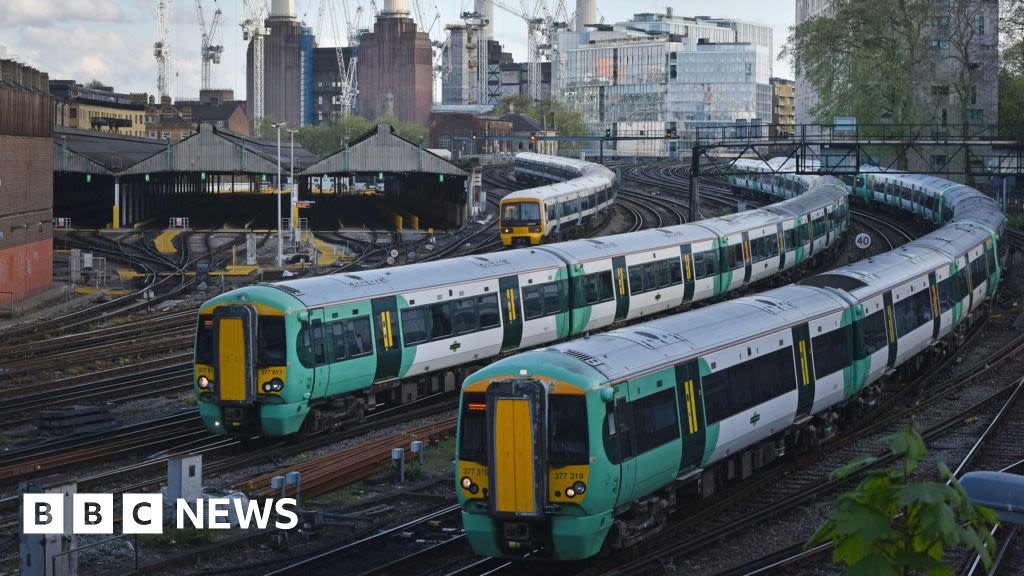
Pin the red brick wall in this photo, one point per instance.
(25, 270)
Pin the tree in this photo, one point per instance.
(329, 137)
(95, 84)
(889, 525)
(865, 58)
(551, 114)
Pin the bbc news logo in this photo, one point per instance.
(144, 513)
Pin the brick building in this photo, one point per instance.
(454, 130)
(26, 183)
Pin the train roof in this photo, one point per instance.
(742, 221)
(546, 160)
(364, 284)
(631, 351)
(652, 239)
(885, 271)
(811, 200)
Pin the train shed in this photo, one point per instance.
(419, 188)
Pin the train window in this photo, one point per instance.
(624, 432)
(735, 255)
(567, 430)
(533, 303)
(204, 340)
(609, 435)
(552, 298)
(859, 182)
(337, 335)
(357, 337)
(664, 274)
(650, 277)
(414, 325)
(656, 420)
(552, 214)
(318, 342)
(978, 273)
(818, 226)
(738, 388)
(962, 287)
(875, 336)
(304, 346)
(675, 270)
(912, 312)
(636, 280)
(990, 259)
(473, 429)
(487, 309)
(705, 264)
(440, 320)
(270, 347)
(465, 315)
(831, 351)
(948, 293)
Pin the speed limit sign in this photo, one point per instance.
(863, 241)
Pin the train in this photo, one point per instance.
(591, 443)
(277, 359)
(580, 191)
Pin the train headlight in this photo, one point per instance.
(579, 487)
(570, 493)
(203, 382)
(466, 482)
(266, 386)
(506, 230)
(273, 385)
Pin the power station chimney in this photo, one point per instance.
(486, 8)
(586, 13)
(396, 7)
(282, 9)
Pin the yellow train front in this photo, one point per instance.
(555, 211)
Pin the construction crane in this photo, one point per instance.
(254, 26)
(211, 49)
(542, 26)
(346, 71)
(162, 47)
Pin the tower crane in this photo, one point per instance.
(162, 47)
(542, 28)
(254, 26)
(211, 49)
(346, 72)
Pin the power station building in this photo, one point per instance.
(287, 70)
(395, 68)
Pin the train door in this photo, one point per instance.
(688, 280)
(933, 290)
(804, 370)
(511, 313)
(747, 260)
(627, 445)
(691, 409)
(782, 246)
(234, 352)
(389, 341)
(319, 346)
(621, 288)
(890, 328)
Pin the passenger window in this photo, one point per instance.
(624, 419)
(664, 275)
(465, 316)
(831, 352)
(318, 342)
(650, 277)
(636, 280)
(568, 431)
(414, 326)
(656, 420)
(533, 303)
(337, 332)
(440, 320)
(552, 300)
(875, 337)
(487, 307)
(357, 337)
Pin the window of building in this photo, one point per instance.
(152, 133)
(981, 24)
(184, 135)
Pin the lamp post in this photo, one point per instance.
(293, 228)
(280, 233)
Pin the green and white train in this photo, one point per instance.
(593, 442)
(274, 358)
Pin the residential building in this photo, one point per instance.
(783, 107)
(534, 132)
(98, 108)
(806, 97)
(454, 131)
(167, 122)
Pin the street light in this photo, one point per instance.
(280, 233)
(294, 189)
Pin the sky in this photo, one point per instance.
(112, 40)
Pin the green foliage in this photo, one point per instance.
(95, 84)
(889, 525)
(874, 59)
(329, 137)
(1011, 105)
(550, 113)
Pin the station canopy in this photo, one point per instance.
(216, 150)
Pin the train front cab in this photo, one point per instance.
(241, 371)
(524, 469)
(522, 222)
